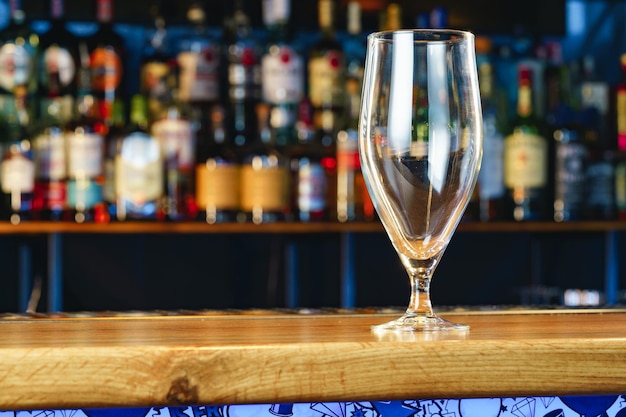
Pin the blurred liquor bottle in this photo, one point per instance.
(244, 77)
(155, 66)
(17, 169)
(58, 67)
(326, 76)
(594, 96)
(200, 64)
(173, 129)
(556, 95)
(107, 52)
(490, 184)
(57, 89)
(591, 99)
(264, 175)
(353, 202)
(526, 158)
(566, 150)
(354, 46)
(570, 155)
(620, 156)
(282, 66)
(309, 161)
(600, 182)
(327, 92)
(217, 173)
(19, 52)
(113, 142)
(138, 167)
(49, 147)
(84, 137)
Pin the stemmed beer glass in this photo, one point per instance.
(420, 144)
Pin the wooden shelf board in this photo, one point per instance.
(42, 227)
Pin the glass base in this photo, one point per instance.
(416, 323)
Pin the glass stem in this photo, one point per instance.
(419, 304)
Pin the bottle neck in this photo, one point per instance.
(57, 10)
(524, 93)
(17, 15)
(218, 127)
(325, 18)
(104, 12)
(485, 78)
(139, 112)
(276, 14)
(239, 21)
(241, 25)
(15, 6)
(524, 101)
(157, 41)
(263, 126)
(354, 18)
(20, 106)
(197, 18)
(118, 117)
(394, 17)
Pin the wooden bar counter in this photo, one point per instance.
(276, 357)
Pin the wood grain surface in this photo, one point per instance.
(276, 358)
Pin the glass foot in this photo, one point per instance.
(414, 323)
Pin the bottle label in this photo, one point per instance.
(199, 74)
(17, 174)
(349, 176)
(348, 151)
(282, 116)
(595, 94)
(621, 118)
(491, 175)
(138, 170)
(83, 194)
(57, 109)
(108, 190)
(58, 65)
(283, 76)
(217, 185)
(600, 184)
(569, 173)
(262, 188)
(85, 153)
(525, 161)
(50, 156)
(244, 75)
(153, 79)
(106, 69)
(325, 82)
(16, 66)
(419, 148)
(177, 141)
(620, 186)
(53, 195)
(311, 187)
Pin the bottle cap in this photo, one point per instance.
(276, 11)
(325, 14)
(354, 17)
(525, 75)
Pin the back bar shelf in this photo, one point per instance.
(54, 232)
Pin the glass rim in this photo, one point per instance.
(425, 35)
